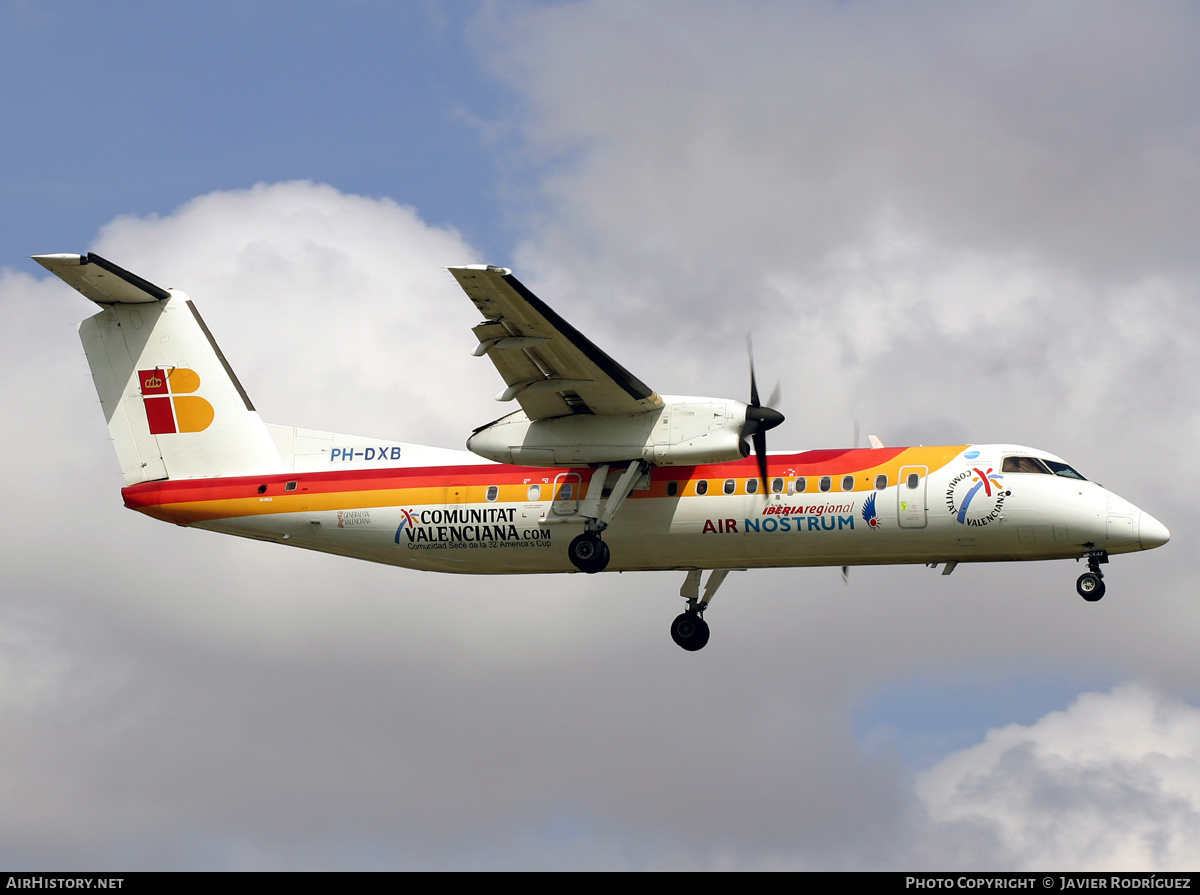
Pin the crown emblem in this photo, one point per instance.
(153, 382)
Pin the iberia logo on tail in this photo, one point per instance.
(170, 406)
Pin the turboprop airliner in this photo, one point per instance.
(596, 471)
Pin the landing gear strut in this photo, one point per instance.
(587, 551)
(1091, 583)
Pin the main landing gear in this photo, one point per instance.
(1091, 583)
(689, 629)
(587, 551)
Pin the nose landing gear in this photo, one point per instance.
(690, 631)
(1090, 585)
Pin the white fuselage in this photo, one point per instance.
(935, 505)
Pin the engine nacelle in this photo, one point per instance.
(683, 432)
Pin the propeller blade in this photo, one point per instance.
(759, 419)
(845, 574)
(754, 402)
(760, 450)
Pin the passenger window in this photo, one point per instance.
(847, 483)
(702, 487)
(913, 480)
(826, 483)
(880, 482)
(535, 492)
(751, 486)
(730, 486)
(777, 486)
(565, 492)
(801, 484)
(672, 489)
(492, 492)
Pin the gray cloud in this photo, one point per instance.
(704, 136)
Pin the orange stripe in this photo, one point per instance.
(196, 500)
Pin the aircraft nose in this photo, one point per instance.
(1151, 532)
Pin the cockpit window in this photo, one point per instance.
(1064, 470)
(1024, 464)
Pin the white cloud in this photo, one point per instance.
(1112, 783)
(336, 310)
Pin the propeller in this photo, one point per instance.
(759, 419)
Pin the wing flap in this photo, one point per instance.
(548, 366)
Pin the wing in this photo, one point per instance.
(548, 366)
(101, 280)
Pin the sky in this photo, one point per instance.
(942, 223)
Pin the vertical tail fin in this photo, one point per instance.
(174, 407)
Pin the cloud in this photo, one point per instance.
(180, 699)
(1111, 782)
(697, 140)
(355, 288)
(943, 224)
(176, 699)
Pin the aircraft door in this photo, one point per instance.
(911, 510)
(566, 494)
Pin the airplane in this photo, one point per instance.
(594, 472)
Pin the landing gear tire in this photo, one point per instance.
(588, 553)
(690, 631)
(1090, 586)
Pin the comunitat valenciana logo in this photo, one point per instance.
(976, 497)
(170, 405)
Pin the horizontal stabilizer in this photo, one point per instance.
(101, 280)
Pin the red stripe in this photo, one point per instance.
(149, 494)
